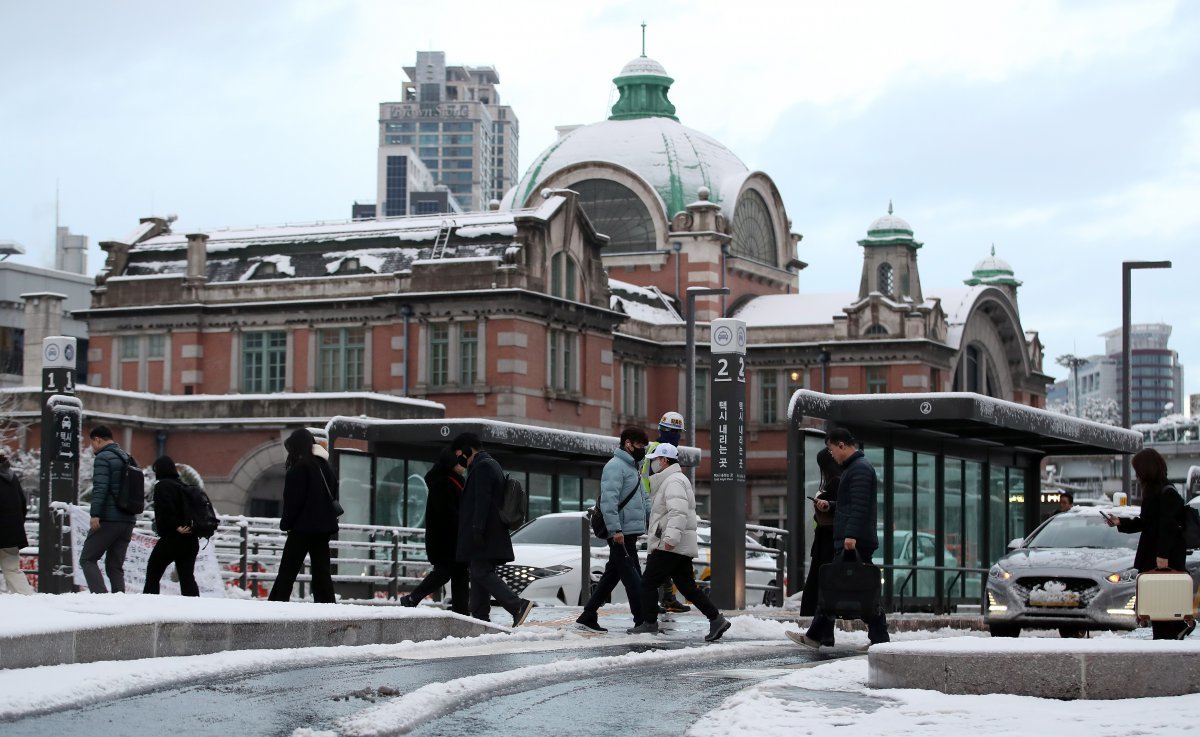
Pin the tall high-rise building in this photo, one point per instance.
(452, 116)
(1157, 373)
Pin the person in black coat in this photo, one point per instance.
(824, 506)
(13, 508)
(309, 518)
(483, 541)
(854, 536)
(1161, 545)
(173, 522)
(445, 487)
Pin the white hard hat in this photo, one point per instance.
(671, 421)
(664, 450)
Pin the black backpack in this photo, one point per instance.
(204, 517)
(131, 494)
(515, 505)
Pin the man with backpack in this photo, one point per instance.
(111, 526)
(483, 541)
(177, 543)
(625, 506)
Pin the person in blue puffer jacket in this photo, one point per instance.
(626, 508)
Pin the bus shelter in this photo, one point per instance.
(959, 478)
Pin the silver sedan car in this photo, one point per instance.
(1073, 574)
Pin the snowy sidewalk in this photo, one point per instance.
(79, 628)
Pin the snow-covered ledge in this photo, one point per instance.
(1102, 668)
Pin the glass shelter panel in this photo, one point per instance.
(354, 492)
(953, 513)
(972, 544)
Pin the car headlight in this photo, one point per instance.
(996, 573)
(548, 572)
(1126, 576)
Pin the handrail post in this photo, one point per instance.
(243, 549)
(394, 586)
(585, 568)
(781, 568)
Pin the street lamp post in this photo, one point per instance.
(1127, 268)
(689, 409)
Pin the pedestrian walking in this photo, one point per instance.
(853, 532)
(444, 483)
(310, 514)
(483, 541)
(110, 528)
(824, 509)
(625, 504)
(1161, 546)
(173, 523)
(670, 430)
(672, 543)
(14, 505)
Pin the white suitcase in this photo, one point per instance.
(1164, 596)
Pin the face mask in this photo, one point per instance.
(638, 454)
(657, 466)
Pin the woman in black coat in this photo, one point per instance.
(173, 522)
(13, 508)
(822, 544)
(1160, 522)
(445, 484)
(309, 518)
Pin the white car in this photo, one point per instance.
(548, 557)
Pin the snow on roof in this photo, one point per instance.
(644, 304)
(785, 310)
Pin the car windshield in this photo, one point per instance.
(1080, 531)
(553, 531)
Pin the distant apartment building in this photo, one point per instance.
(452, 116)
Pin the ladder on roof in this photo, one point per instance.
(443, 237)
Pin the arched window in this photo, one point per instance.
(887, 280)
(876, 329)
(975, 373)
(562, 276)
(618, 213)
(753, 233)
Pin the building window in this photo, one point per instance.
(468, 353)
(768, 397)
(156, 347)
(619, 213)
(877, 380)
(564, 359)
(633, 383)
(701, 397)
(12, 350)
(129, 347)
(876, 330)
(562, 276)
(887, 280)
(396, 186)
(439, 353)
(795, 382)
(264, 362)
(753, 233)
(342, 354)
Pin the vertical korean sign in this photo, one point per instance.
(62, 415)
(728, 453)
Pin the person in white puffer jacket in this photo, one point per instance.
(672, 543)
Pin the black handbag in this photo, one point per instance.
(848, 589)
(337, 506)
(596, 517)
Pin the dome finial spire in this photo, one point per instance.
(643, 39)
(993, 249)
(889, 206)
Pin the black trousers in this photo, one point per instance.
(315, 545)
(486, 585)
(110, 540)
(822, 553)
(662, 566)
(1168, 630)
(624, 566)
(457, 574)
(180, 550)
(821, 628)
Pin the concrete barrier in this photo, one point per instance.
(1107, 668)
(162, 639)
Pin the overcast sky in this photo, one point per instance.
(1065, 133)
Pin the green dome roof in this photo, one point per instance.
(992, 270)
(890, 230)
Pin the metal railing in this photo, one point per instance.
(388, 559)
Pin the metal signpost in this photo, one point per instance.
(727, 449)
(62, 415)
